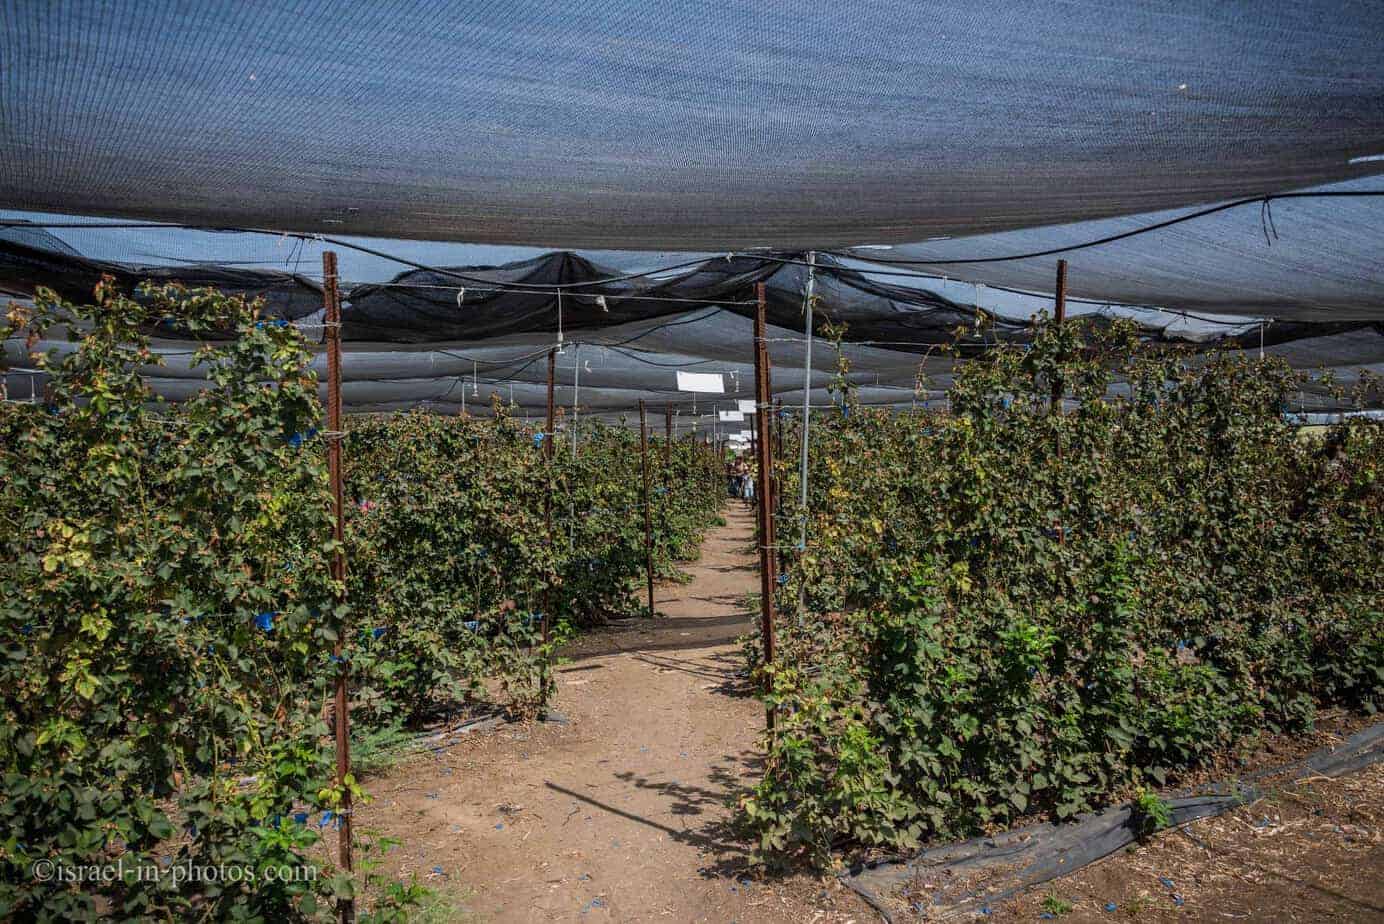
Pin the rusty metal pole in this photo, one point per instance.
(809, 296)
(1059, 315)
(341, 708)
(667, 470)
(552, 369)
(765, 459)
(667, 435)
(549, 441)
(648, 512)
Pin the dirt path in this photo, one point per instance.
(621, 813)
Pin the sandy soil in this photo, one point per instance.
(1309, 851)
(619, 814)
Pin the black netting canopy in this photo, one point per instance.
(451, 336)
(1210, 171)
(680, 124)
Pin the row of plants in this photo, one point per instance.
(167, 616)
(464, 537)
(1004, 610)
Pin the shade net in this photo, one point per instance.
(1314, 257)
(454, 337)
(717, 143)
(681, 124)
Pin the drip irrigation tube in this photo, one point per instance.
(1014, 861)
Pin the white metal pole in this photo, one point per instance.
(807, 392)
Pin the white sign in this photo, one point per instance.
(747, 406)
(731, 416)
(712, 383)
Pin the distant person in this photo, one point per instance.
(740, 478)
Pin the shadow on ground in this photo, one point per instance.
(730, 778)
